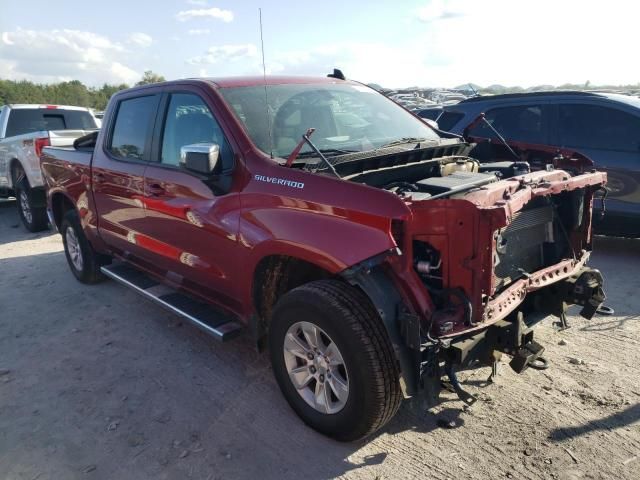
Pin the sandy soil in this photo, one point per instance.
(96, 382)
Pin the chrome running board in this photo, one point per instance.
(220, 325)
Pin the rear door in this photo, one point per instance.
(611, 138)
(118, 172)
(191, 226)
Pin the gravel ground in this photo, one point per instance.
(97, 383)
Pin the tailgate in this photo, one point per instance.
(65, 138)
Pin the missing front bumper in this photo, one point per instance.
(511, 337)
(514, 337)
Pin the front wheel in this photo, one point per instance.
(83, 260)
(333, 360)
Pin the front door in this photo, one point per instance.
(191, 227)
(118, 173)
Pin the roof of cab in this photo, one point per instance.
(254, 81)
(248, 81)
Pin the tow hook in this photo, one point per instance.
(527, 356)
(586, 290)
(511, 337)
(516, 339)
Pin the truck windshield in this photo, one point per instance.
(27, 120)
(346, 118)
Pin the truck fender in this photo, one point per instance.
(404, 333)
(295, 250)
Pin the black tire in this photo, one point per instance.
(350, 320)
(89, 272)
(31, 207)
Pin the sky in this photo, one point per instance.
(395, 44)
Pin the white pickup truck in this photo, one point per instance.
(24, 131)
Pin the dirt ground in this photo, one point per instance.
(97, 383)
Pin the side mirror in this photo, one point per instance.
(200, 157)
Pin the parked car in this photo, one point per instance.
(363, 252)
(412, 101)
(24, 131)
(444, 97)
(603, 126)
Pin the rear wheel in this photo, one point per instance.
(30, 207)
(333, 360)
(83, 260)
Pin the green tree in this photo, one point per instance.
(150, 77)
(67, 93)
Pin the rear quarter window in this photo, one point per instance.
(28, 120)
(132, 127)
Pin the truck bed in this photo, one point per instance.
(66, 155)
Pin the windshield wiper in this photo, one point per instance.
(305, 139)
(333, 152)
(402, 141)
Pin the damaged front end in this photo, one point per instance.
(476, 270)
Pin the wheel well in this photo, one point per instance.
(274, 276)
(60, 205)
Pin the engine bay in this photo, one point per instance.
(423, 173)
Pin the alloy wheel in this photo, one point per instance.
(73, 248)
(25, 206)
(316, 367)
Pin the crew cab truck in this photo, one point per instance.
(366, 250)
(24, 131)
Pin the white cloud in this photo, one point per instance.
(442, 10)
(199, 31)
(461, 41)
(122, 71)
(501, 41)
(62, 55)
(199, 3)
(213, 12)
(225, 53)
(140, 39)
(5, 38)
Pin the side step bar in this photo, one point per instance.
(220, 325)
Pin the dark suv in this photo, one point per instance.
(603, 126)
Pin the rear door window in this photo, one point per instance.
(521, 123)
(603, 128)
(132, 128)
(28, 120)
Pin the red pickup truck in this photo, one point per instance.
(367, 250)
